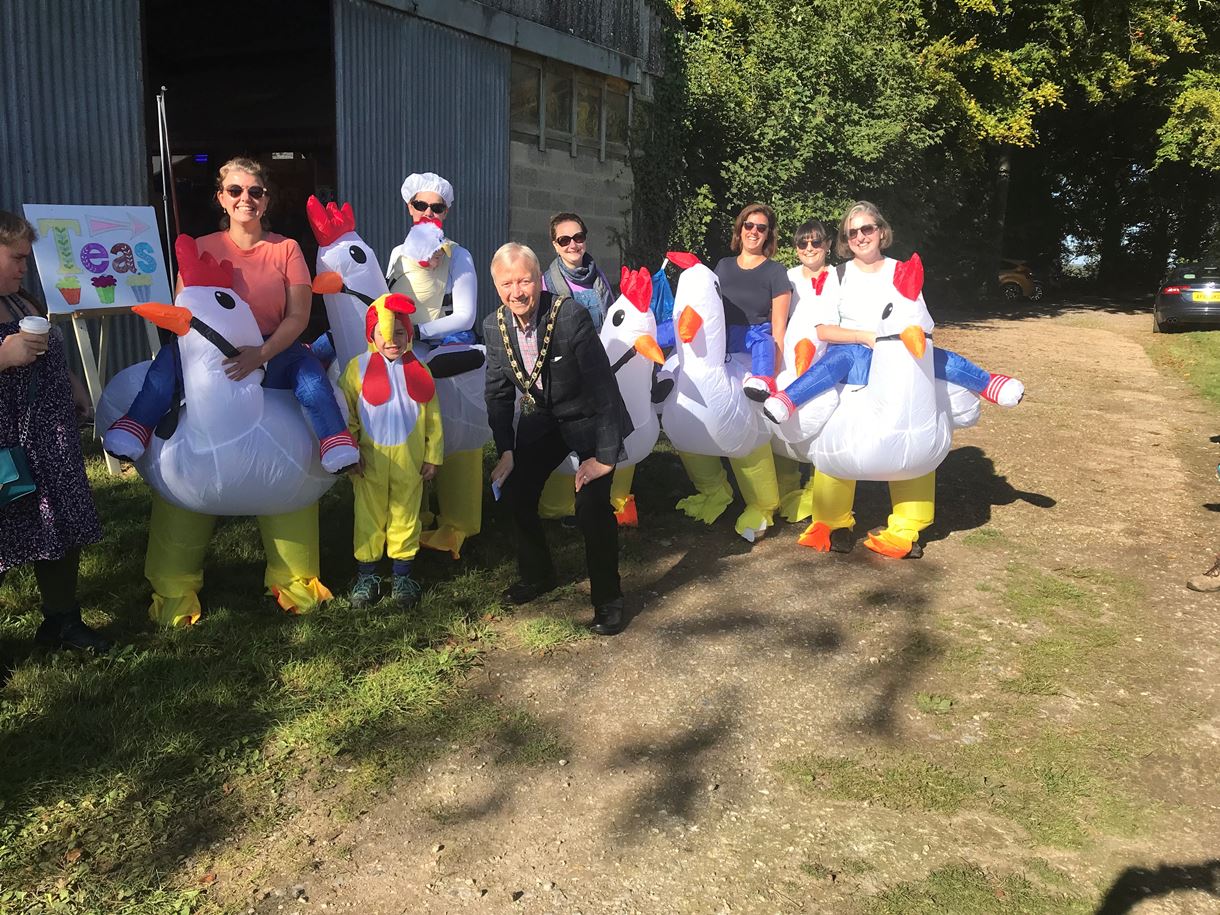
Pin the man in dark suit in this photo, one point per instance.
(544, 348)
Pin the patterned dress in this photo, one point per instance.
(60, 516)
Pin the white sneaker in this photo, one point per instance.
(1004, 390)
(778, 408)
(126, 439)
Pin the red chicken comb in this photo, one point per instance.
(202, 270)
(683, 259)
(637, 287)
(908, 277)
(329, 222)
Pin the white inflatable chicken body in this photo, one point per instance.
(793, 438)
(351, 279)
(629, 336)
(708, 416)
(893, 422)
(237, 449)
(895, 427)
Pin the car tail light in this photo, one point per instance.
(1173, 290)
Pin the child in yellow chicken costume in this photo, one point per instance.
(396, 420)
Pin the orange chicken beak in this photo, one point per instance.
(647, 347)
(916, 340)
(328, 283)
(804, 355)
(689, 323)
(168, 317)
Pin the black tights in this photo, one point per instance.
(57, 582)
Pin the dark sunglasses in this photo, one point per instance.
(256, 192)
(865, 230)
(564, 240)
(759, 226)
(811, 243)
(420, 207)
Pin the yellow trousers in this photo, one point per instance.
(913, 504)
(459, 497)
(178, 540)
(387, 504)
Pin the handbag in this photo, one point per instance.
(16, 480)
(15, 477)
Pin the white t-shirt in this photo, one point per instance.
(863, 297)
(823, 308)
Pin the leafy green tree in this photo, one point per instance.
(1106, 114)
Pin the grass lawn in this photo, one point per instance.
(124, 775)
(1194, 355)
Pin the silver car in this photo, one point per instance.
(1189, 297)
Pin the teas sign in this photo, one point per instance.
(98, 257)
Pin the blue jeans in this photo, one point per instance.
(295, 369)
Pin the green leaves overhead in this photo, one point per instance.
(810, 104)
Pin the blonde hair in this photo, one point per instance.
(14, 228)
(842, 248)
(250, 167)
(511, 252)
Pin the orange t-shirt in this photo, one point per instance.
(263, 274)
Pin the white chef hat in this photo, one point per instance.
(427, 182)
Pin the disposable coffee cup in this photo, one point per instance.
(35, 328)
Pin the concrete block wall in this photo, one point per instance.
(544, 183)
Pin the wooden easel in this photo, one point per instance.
(93, 363)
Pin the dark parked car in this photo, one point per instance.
(1190, 296)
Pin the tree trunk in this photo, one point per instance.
(999, 209)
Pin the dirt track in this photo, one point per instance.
(675, 792)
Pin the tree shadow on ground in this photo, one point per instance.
(966, 316)
(886, 679)
(678, 761)
(1137, 884)
(97, 748)
(967, 488)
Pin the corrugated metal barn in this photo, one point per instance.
(343, 98)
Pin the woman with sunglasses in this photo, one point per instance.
(445, 287)
(866, 293)
(269, 273)
(812, 276)
(574, 271)
(756, 295)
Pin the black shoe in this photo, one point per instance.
(67, 631)
(842, 540)
(523, 592)
(608, 618)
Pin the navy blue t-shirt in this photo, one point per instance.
(747, 294)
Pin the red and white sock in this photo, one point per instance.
(1003, 390)
(338, 451)
(127, 438)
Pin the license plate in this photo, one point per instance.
(1212, 295)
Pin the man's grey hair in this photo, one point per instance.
(513, 251)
